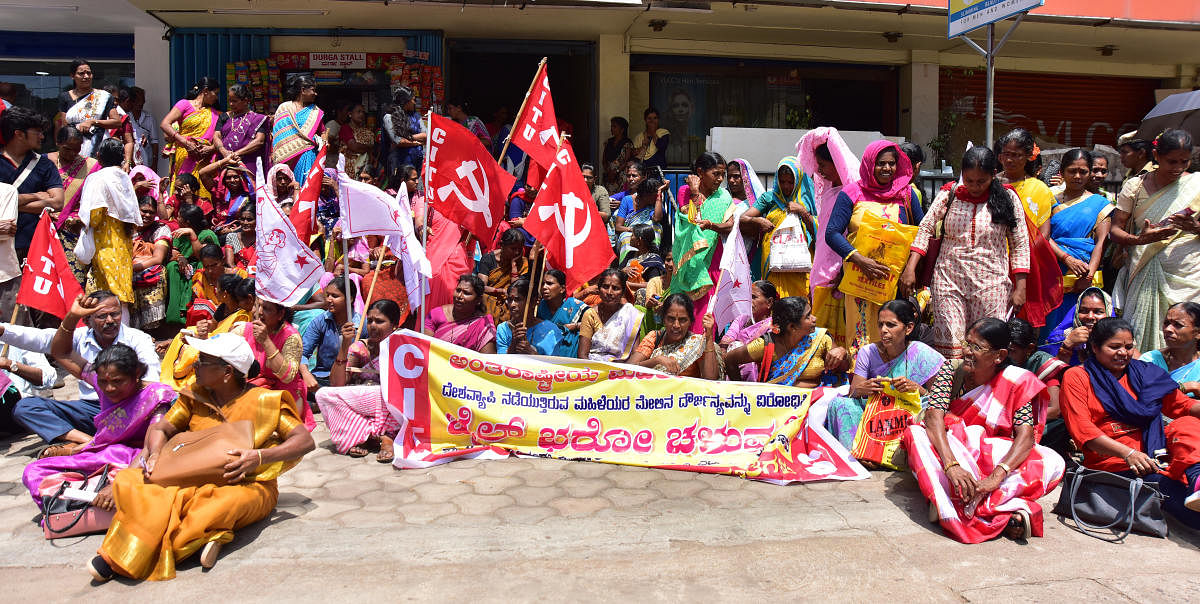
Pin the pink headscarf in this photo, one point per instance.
(868, 189)
(754, 186)
(149, 176)
(826, 263)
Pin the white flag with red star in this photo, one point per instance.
(286, 268)
(733, 291)
(367, 210)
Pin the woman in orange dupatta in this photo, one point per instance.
(193, 142)
(156, 526)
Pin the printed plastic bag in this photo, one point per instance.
(789, 248)
(884, 241)
(888, 413)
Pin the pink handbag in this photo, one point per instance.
(65, 517)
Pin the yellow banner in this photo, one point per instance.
(456, 402)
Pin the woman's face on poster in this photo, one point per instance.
(680, 108)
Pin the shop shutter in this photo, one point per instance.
(1072, 110)
(196, 53)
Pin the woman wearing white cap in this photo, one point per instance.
(156, 526)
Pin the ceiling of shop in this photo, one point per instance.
(826, 26)
(91, 16)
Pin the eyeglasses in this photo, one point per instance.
(975, 348)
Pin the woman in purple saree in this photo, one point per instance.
(127, 407)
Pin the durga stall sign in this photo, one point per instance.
(457, 403)
(337, 60)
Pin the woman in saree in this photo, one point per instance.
(608, 331)
(824, 154)
(151, 246)
(109, 211)
(896, 359)
(92, 111)
(464, 322)
(746, 328)
(644, 207)
(456, 109)
(1019, 157)
(562, 310)
(675, 349)
(157, 526)
(1023, 352)
(191, 126)
(128, 406)
(1077, 229)
(278, 349)
(73, 168)
(742, 180)
(206, 282)
(243, 134)
(791, 194)
(884, 188)
(975, 454)
(644, 264)
(1181, 355)
(231, 189)
(795, 352)
(352, 405)
(296, 129)
(405, 142)
(1163, 238)
(537, 336)
(499, 268)
(1115, 406)
(1067, 340)
(618, 150)
(699, 233)
(357, 141)
(182, 358)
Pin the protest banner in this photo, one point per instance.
(457, 403)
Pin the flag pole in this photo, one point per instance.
(539, 258)
(428, 217)
(346, 260)
(517, 117)
(362, 322)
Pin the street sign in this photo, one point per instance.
(968, 15)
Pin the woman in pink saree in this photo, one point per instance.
(279, 350)
(127, 407)
(464, 322)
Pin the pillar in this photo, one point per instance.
(612, 72)
(919, 98)
(152, 71)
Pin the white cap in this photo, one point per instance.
(228, 347)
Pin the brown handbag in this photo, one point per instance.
(198, 457)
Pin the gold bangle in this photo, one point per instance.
(260, 460)
(273, 354)
(1004, 466)
(946, 468)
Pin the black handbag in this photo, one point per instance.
(1099, 501)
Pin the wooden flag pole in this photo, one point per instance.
(538, 258)
(362, 322)
(11, 320)
(517, 118)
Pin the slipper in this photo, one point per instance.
(385, 456)
(1020, 518)
(58, 450)
(357, 451)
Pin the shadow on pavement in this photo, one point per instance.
(901, 489)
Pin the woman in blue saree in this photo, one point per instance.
(791, 193)
(1181, 356)
(562, 310)
(1077, 230)
(297, 126)
(1067, 341)
(515, 336)
(647, 209)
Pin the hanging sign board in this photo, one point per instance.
(337, 60)
(967, 15)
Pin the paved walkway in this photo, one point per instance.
(523, 529)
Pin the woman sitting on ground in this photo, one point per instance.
(352, 405)
(128, 406)
(515, 337)
(975, 449)
(795, 352)
(323, 335)
(278, 347)
(1023, 352)
(562, 310)
(1181, 356)
(747, 328)
(465, 322)
(643, 264)
(608, 331)
(896, 359)
(1067, 341)
(674, 349)
(1114, 407)
(180, 357)
(157, 526)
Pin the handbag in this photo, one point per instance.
(68, 517)
(1100, 501)
(789, 248)
(198, 457)
(932, 249)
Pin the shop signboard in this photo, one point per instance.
(337, 60)
(968, 15)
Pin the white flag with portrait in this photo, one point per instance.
(285, 268)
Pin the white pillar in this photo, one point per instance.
(919, 99)
(613, 84)
(152, 70)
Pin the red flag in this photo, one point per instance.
(304, 212)
(565, 220)
(536, 128)
(47, 282)
(465, 182)
(1043, 285)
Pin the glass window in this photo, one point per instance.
(37, 83)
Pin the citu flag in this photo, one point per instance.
(304, 213)
(464, 182)
(286, 269)
(565, 220)
(47, 282)
(536, 128)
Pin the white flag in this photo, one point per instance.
(367, 210)
(285, 268)
(408, 249)
(733, 290)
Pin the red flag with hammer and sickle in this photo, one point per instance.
(565, 220)
(464, 181)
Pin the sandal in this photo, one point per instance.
(58, 450)
(1019, 526)
(387, 450)
(357, 451)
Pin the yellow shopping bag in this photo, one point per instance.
(887, 415)
(884, 241)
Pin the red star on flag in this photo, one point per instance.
(301, 261)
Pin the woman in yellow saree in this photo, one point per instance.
(197, 126)
(792, 193)
(156, 526)
(1153, 219)
(181, 358)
